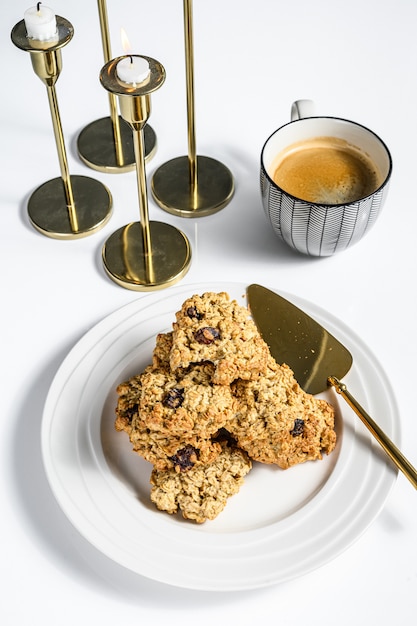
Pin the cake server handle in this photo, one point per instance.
(390, 448)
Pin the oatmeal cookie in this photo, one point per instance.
(187, 404)
(277, 422)
(169, 452)
(202, 492)
(170, 420)
(212, 401)
(213, 328)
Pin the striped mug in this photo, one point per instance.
(323, 181)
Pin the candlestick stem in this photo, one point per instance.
(114, 116)
(189, 70)
(62, 156)
(139, 145)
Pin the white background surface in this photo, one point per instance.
(357, 60)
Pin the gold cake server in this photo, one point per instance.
(317, 359)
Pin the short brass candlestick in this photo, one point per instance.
(106, 145)
(68, 207)
(143, 256)
(192, 186)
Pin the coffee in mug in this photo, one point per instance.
(324, 181)
(326, 170)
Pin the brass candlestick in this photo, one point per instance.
(192, 186)
(106, 144)
(143, 256)
(69, 207)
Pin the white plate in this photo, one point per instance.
(282, 524)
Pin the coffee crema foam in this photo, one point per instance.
(326, 170)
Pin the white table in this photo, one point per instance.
(355, 59)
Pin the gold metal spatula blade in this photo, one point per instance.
(317, 359)
(298, 340)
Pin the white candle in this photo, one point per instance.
(40, 23)
(133, 70)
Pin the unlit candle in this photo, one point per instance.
(40, 23)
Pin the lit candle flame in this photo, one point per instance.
(125, 41)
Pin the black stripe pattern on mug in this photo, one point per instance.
(318, 230)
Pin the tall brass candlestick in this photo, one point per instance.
(192, 186)
(144, 255)
(68, 207)
(106, 144)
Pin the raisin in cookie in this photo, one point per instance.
(213, 328)
(202, 492)
(277, 422)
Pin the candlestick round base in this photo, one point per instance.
(97, 148)
(127, 264)
(172, 190)
(50, 215)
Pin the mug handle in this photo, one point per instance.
(303, 108)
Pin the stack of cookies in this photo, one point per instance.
(212, 401)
